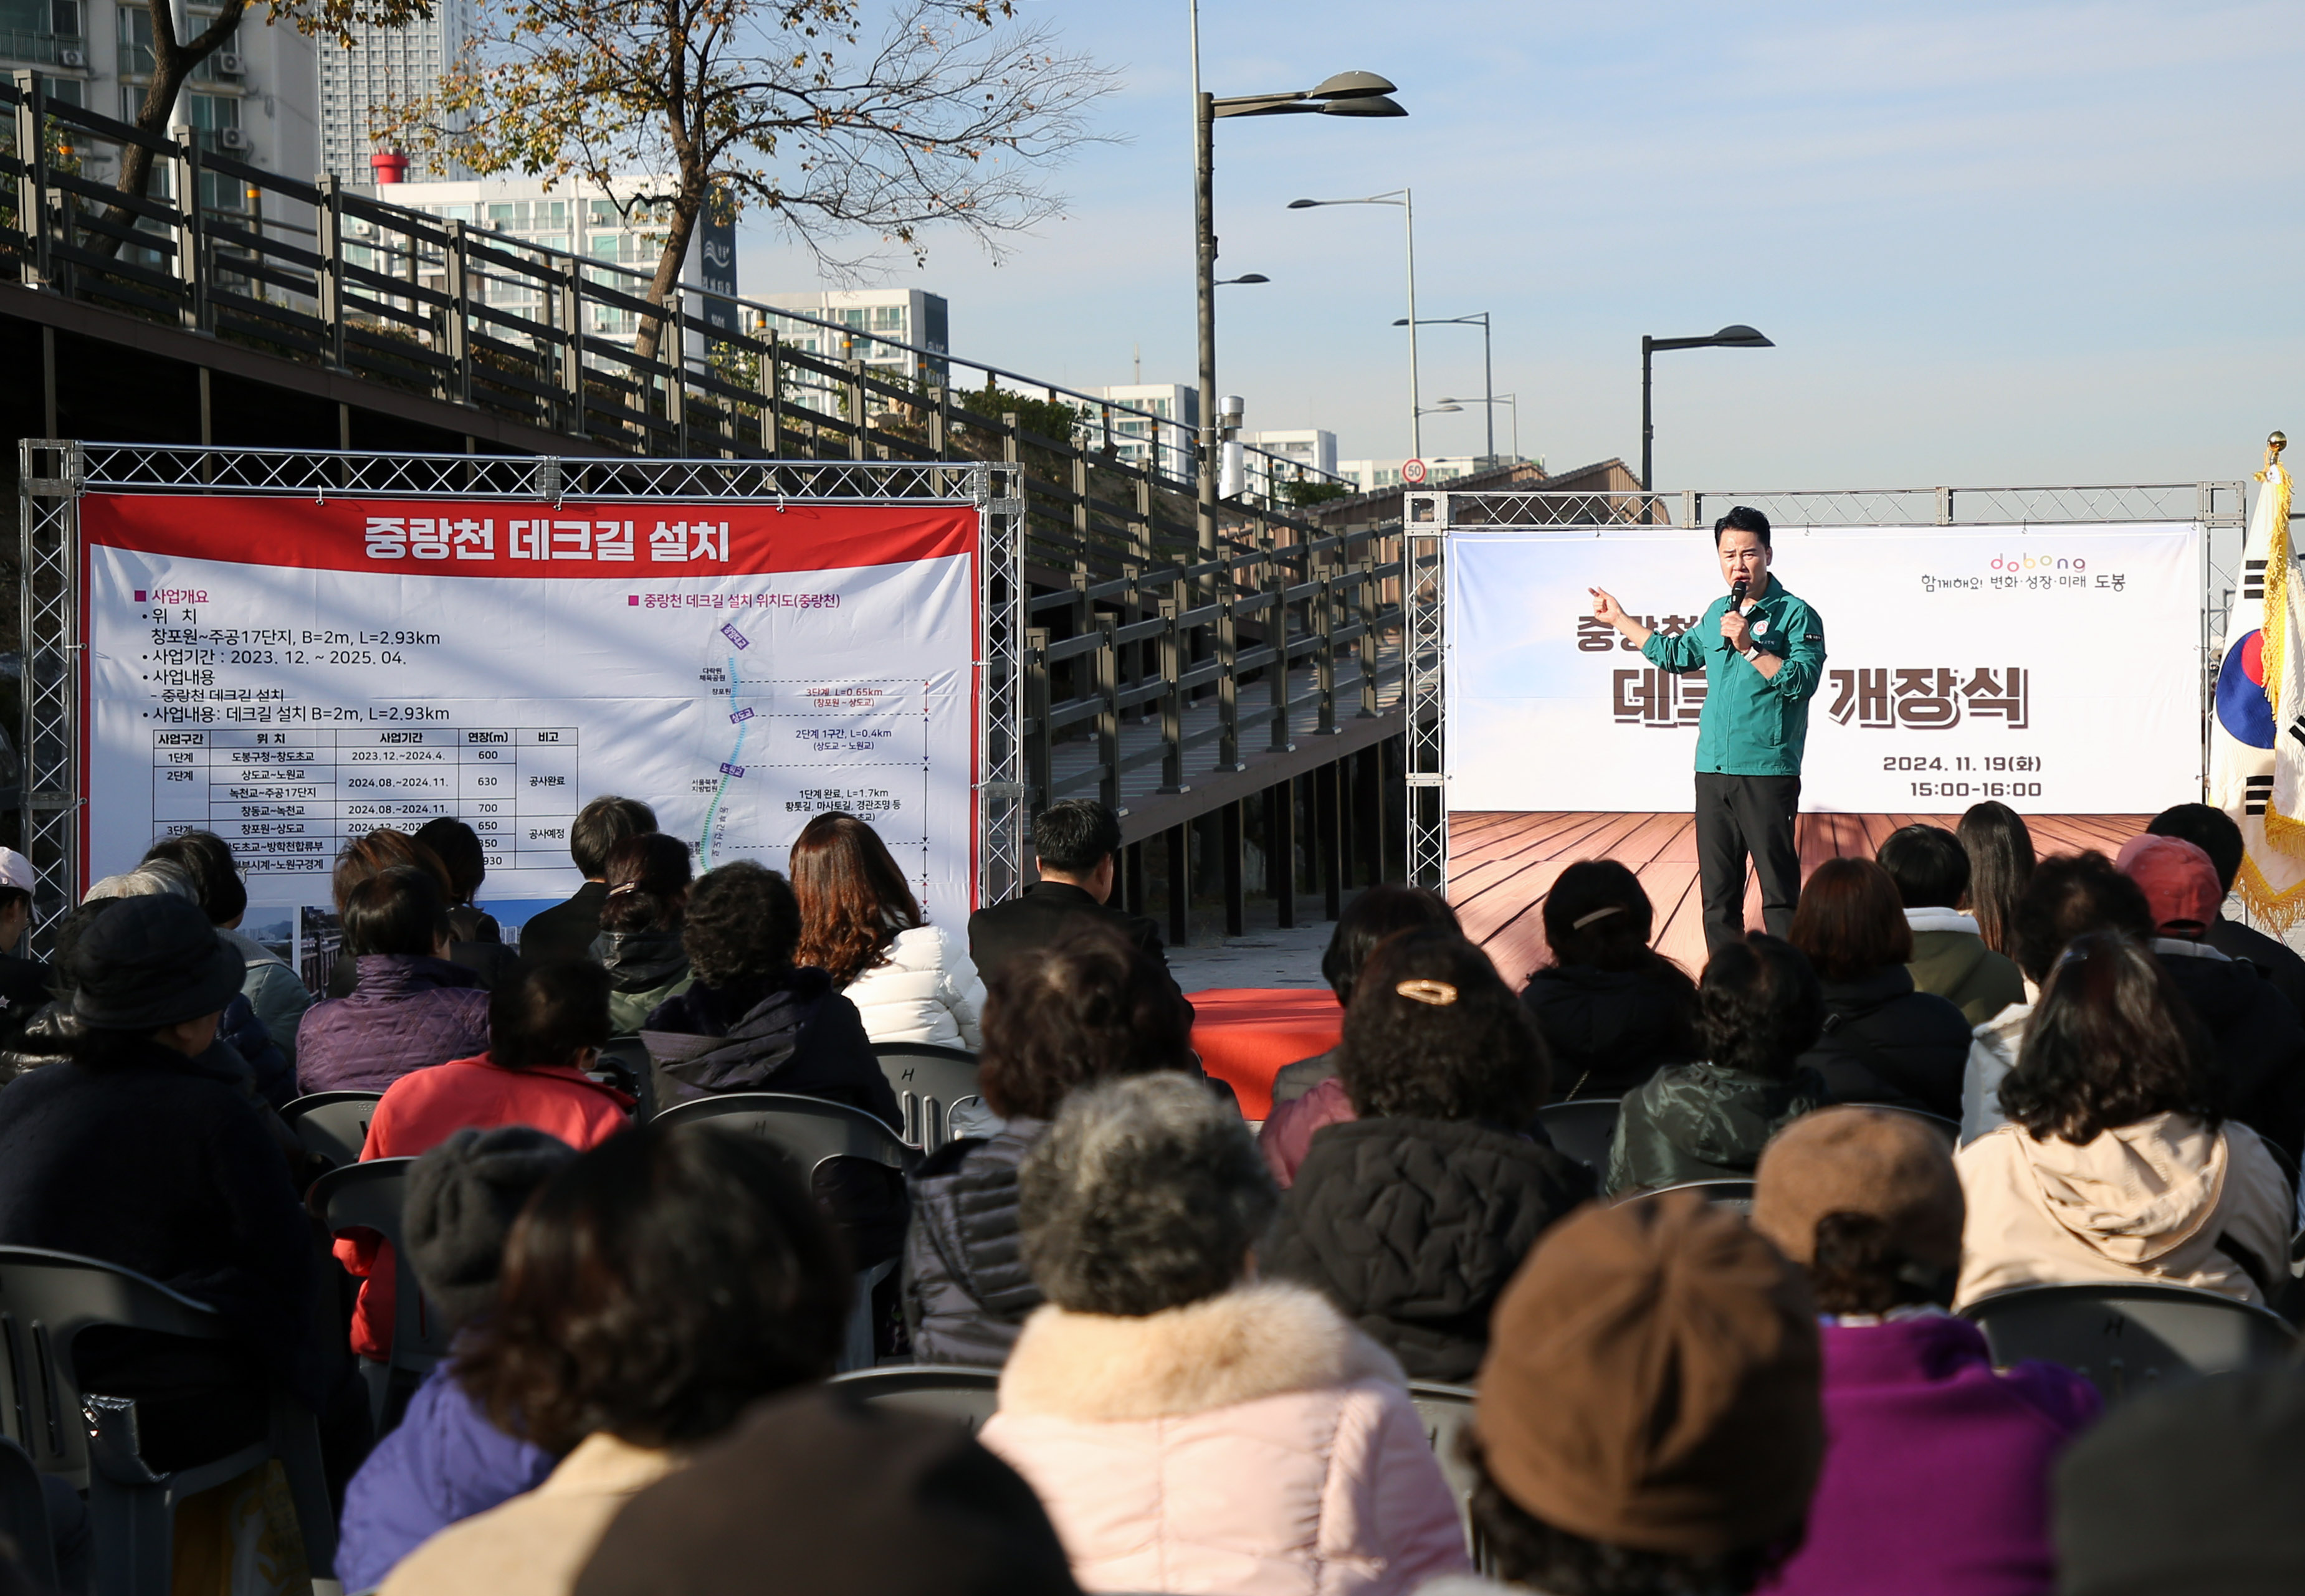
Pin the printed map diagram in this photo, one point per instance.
(779, 747)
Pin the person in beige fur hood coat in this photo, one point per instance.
(1188, 1428)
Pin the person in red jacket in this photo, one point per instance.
(546, 1025)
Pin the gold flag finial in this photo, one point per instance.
(2273, 445)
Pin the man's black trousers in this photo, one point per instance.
(1737, 816)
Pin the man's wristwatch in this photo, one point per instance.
(1749, 651)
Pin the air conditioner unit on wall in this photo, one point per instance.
(78, 58)
(231, 138)
(231, 63)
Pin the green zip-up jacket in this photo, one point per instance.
(1752, 724)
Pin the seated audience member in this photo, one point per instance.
(1758, 1009)
(411, 1007)
(567, 930)
(1999, 849)
(1309, 1093)
(2259, 1040)
(1076, 854)
(2214, 832)
(1950, 958)
(365, 857)
(1160, 1358)
(2191, 1491)
(770, 1025)
(859, 923)
(276, 995)
(1937, 1465)
(1093, 1004)
(475, 940)
(2069, 895)
(23, 982)
(137, 1151)
(545, 1025)
(1648, 1420)
(638, 944)
(1613, 1010)
(2117, 1164)
(652, 1289)
(1413, 1217)
(839, 1498)
(1883, 1041)
(444, 1461)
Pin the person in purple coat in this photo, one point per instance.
(445, 1462)
(1937, 1467)
(412, 1007)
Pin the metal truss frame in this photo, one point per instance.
(52, 474)
(1430, 520)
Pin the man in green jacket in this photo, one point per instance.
(1767, 648)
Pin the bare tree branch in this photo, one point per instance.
(952, 114)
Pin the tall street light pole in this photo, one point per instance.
(1403, 198)
(1736, 336)
(1347, 94)
(1488, 367)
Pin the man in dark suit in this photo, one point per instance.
(565, 930)
(1076, 847)
(2213, 833)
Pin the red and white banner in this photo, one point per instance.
(291, 674)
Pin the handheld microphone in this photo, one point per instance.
(1736, 601)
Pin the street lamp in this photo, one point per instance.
(1736, 336)
(1493, 401)
(1346, 94)
(1488, 370)
(1401, 198)
(1245, 277)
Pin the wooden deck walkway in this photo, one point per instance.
(1146, 810)
(1502, 864)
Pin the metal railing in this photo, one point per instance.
(1145, 646)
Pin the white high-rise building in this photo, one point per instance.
(1164, 447)
(1312, 448)
(383, 65)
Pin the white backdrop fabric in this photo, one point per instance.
(2057, 669)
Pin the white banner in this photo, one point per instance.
(292, 675)
(2057, 669)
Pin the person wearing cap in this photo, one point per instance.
(2216, 834)
(444, 1462)
(140, 1153)
(2191, 1491)
(1759, 1008)
(275, 993)
(23, 982)
(2260, 1041)
(1937, 1467)
(1413, 1217)
(1613, 1010)
(2117, 1163)
(1647, 1420)
(1189, 1427)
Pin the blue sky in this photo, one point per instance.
(1995, 243)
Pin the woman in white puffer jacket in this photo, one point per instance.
(860, 923)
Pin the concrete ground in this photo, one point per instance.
(1267, 956)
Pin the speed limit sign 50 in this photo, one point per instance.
(1412, 472)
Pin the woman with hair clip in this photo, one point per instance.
(2118, 1163)
(638, 944)
(1936, 1482)
(860, 924)
(1613, 1010)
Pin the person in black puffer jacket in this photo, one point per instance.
(1090, 1007)
(756, 1021)
(1613, 1010)
(1414, 1217)
(1882, 1042)
(1758, 1009)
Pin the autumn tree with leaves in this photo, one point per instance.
(836, 117)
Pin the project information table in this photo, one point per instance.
(288, 798)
